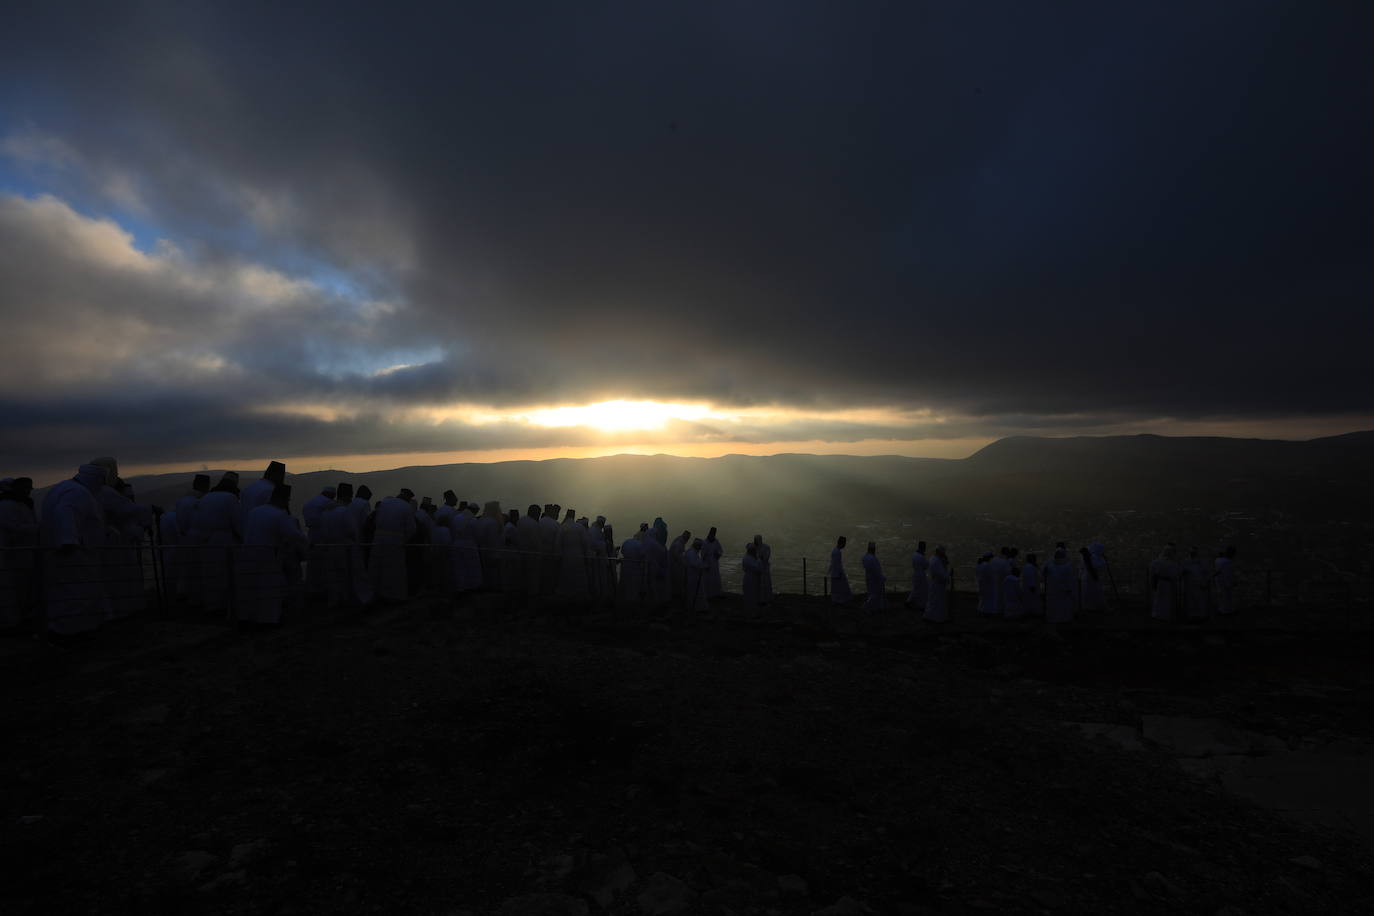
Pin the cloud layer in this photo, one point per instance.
(238, 231)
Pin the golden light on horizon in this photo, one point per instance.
(616, 416)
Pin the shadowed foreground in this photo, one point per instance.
(427, 760)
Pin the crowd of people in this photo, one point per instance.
(243, 551)
(1010, 587)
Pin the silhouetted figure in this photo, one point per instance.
(1030, 587)
(1094, 568)
(986, 577)
(1195, 586)
(1165, 573)
(347, 583)
(696, 571)
(218, 526)
(73, 523)
(765, 555)
(656, 569)
(1000, 564)
(395, 526)
(259, 492)
(632, 562)
(313, 514)
(527, 541)
(1011, 594)
(573, 552)
(753, 574)
(920, 585)
(839, 581)
(271, 541)
(548, 546)
(467, 558)
(487, 531)
(875, 582)
(937, 601)
(711, 552)
(677, 566)
(1061, 585)
(660, 529)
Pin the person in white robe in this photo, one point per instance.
(573, 553)
(920, 585)
(361, 507)
(259, 492)
(596, 546)
(1030, 587)
(395, 527)
(18, 559)
(632, 569)
(183, 571)
(611, 570)
(1011, 593)
(1094, 572)
(677, 566)
(347, 583)
(987, 586)
(694, 586)
(531, 560)
(217, 529)
(1224, 574)
(487, 532)
(441, 539)
(313, 515)
(73, 524)
(875, 583)
(272, 542)
(1061, 587)
(467, 556)
(1165, 574)
(1000, 564)
(1196, 586)
(656, 568)
(660, 531)
(551, 560)
(765, 554)
(753, 576)
(511, 582)
(937, 598)
(839, 581)
(128, 525)
(711, 552)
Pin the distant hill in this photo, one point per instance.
(1013, 476)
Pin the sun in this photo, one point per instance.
(617, 416)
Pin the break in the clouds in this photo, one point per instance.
(229, 230)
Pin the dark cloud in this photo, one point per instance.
(1009, 213)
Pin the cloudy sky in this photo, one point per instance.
(377, 234)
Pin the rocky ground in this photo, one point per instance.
(434, 759)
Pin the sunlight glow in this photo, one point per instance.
(617, 416)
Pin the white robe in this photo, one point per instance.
(72, 519)
(937, 601)
(839, 582)
(125, 578)
(987, 588)
(1195, 589)
(573, 555)
(753, 575)
(549, 531)
(656, 569)
(677, 568)
(1001, 566)
(468, 569)
(1164, 576)
(920, 585)
(596, 545)
(257, 493)
(632, 572)
(1061, 584)
(218, 529)
(181, 573)
(766, 574)
(695, 593)
(395, 527)
(271, 541)
(874, 582)
(346, 580)
(1094, 598)
(527, 542)
(487, 531)
(711, 552)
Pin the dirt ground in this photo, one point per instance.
(806, 759)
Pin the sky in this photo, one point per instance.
(357, 235)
